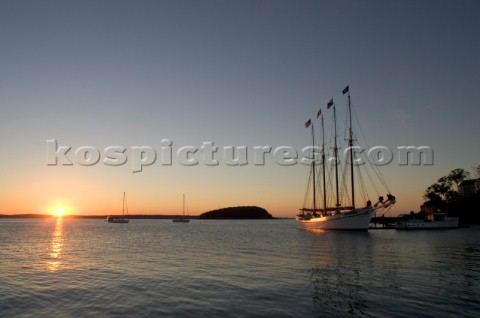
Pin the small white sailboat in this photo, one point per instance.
(122, 218)
(182, 219)
(338, 216)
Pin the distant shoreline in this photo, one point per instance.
(131, 217)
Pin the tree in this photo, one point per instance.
(431, 194)
(457, 176)
(444, 194)
(443, 190)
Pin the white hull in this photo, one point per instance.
(353, 220)
(447, 223)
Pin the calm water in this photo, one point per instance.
(85, 268)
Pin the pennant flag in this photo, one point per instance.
(345, 90)
(308, 123)
(319, 113)
(330, 103)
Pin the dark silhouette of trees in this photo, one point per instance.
(444, 195)
(239, 212)
(457, 176)
(443, 189)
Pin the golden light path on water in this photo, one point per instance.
(56, 246)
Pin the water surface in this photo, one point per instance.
(84, 268)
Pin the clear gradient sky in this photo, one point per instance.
(131, 73)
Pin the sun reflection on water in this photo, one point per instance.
(56, 247)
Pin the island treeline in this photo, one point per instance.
(239, 212)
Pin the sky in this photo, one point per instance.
(173, 74)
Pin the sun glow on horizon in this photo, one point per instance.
(59, 209)
(59, 212)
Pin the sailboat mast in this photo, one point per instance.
(313, 172)
(183, 207)
(350, 143)
(335, 150)
(123, 207)
(323, 168)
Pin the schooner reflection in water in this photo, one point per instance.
(338, 283)
(56, 246)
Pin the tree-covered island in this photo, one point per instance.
(239, 212)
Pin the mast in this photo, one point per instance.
(323, 168)
(350, 143)
(123, 207)
(183, 207)
(335, 150)
(313, 172)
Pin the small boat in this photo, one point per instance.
(119, 218)
(182, 219)
(434, 219)
(339, 211)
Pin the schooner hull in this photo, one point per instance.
(354, 220)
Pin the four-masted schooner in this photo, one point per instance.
(338, 217)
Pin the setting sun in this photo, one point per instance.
(59, 212)
(59, 208)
